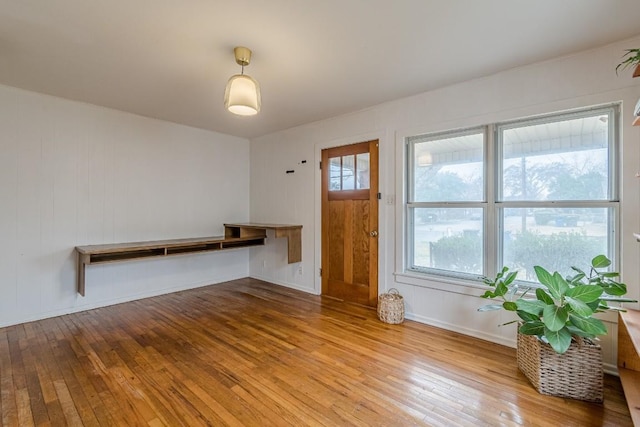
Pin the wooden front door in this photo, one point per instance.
(350, 222)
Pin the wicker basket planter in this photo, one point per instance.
(391, 307)
(576, 374)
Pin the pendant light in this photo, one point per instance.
(242, 95)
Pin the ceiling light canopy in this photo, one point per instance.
(242, 95)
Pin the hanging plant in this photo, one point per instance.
(632, 58)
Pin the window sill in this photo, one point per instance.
(442, 283)
(465, 287)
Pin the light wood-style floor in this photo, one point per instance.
(252, 353)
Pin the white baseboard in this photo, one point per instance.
(465, 331)
(285, 284)
(607, 367)
(120, 300)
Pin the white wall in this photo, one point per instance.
(75, 174)
(579, 80)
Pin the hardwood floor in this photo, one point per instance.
(251, 353)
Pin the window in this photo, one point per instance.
(446, 201)
(350, 172)
(548, 196)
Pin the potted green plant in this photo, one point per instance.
(557, 323)
(630, 59)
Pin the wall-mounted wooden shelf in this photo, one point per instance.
(235, 236)
(293, 233)
(629, 360)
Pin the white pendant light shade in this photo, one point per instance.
(242, 95)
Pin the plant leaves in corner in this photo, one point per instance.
(531, 306)
(559, 340)
(554, 317)
(579, 307)
(585, 293)
(532, 328)
(543, 296)
(588, 325)
(600, 261)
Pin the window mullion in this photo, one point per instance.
(491, 222)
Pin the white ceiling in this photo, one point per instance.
(314, 59)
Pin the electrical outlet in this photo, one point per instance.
(264, 264)
(300, 271)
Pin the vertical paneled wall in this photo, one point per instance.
(76, 174)
(571, 82)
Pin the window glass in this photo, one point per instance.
(557, 160)
(448, 168)
(349, 172)
(448, 239)
(348, 169)
(335, 174)
(362, 170)
(555, 238)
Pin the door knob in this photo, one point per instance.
(374, 233)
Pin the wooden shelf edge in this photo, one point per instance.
(631, 320)
(631, 384)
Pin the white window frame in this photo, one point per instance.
(493, 205)
(410, 204)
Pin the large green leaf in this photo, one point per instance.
(488, 294)
(594, 305)
(616, 289)
(559, 340)
(579, 332)
(532, 328)
(543, 275)
(600, 261)
(560, 283)
(527, 317)
(575, 280)
(543, 296)
(585, 293)
(579, 307)
(589, 325)
(554, 317)
(534, 307)
(501, 289)
(610, 274)
(510, 306)
(510, 278)
(555, 283)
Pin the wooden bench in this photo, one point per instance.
(629, 360)
(235, 236)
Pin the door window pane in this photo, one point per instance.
(362, 171)
(335, 173)
(348, 169)
(448, 239)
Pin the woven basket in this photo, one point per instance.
(391, 307)
(576, 374)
